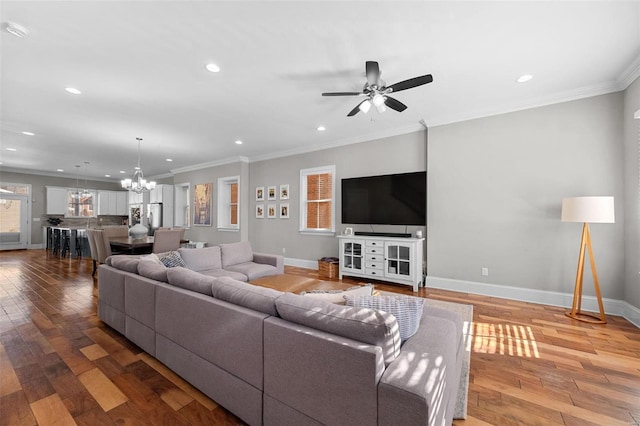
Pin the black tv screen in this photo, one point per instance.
(398, 199)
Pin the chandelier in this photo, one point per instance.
(138, 183)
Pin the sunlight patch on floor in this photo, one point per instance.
(504, 339)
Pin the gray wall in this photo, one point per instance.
(38, 194)
(632, 194)
(495, 190)
(210, 234)
(404, 153)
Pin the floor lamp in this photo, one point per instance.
(587, 210)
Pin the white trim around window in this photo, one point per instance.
(229, 203)
(304, 203)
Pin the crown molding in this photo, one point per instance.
(231, 160)
(55, 174)
(630, 74)
(396, 131)
(530, 103)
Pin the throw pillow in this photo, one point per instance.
(406, 309)
(337, 296)
(172, 259)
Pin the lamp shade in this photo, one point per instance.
(588, 210)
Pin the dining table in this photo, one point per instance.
(131, 245)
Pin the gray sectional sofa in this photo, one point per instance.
(275, 358)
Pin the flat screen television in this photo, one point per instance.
(398, 199)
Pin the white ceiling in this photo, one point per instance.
(140, 66)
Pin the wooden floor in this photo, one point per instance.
(59, 364)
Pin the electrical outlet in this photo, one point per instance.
(284, 250)
(485, 272)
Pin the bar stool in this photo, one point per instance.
(56, 241)
(65, 242)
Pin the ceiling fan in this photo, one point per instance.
(377, 92)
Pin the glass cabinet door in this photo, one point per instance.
(352, 255)
(398, 261)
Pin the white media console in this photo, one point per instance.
(394, 259)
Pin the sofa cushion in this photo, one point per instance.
(124, 263)
(217, 273)
(253, 270)
(362, 324)
(337, 296)
(406, 309)
(235, 253)
(171, 259)
(201, 259)
(260, 299)
(190, 280)
(151, 267)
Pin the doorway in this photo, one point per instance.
(15, 228)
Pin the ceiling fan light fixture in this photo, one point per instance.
(365, 106)
(381, 108)
(378, 100)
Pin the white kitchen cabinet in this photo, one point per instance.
(112, 203)
(135, 198)
(393, 259)
(122, 203)
(57, 200)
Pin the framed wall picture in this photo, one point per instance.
(271, 193)
(284, 192)
(271, 211)
(259, 211)
(202, 196)
(284, 210)
(260, 193)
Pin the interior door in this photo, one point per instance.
(14, 226)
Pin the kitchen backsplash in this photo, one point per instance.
(93, 222)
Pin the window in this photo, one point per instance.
(80, 203)
(317, 194)
(182, 213)
(228, 203)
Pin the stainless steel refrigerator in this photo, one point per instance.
(154, 217)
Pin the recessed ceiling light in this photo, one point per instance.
(212, 67)
(524, 78)
(321, 128)
(122, 172)
(168, 160)
(238, 142)
(16, 29)
(73, 90)
(28, 133)
(11, 149)
(107, 175)
(59, 170)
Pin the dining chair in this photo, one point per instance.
(94, 249)
(116, 231)
(103, 247)
(166, 240)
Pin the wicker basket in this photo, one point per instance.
(328, 269)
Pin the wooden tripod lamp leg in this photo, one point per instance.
(576, 312)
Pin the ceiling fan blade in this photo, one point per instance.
(412, 82)
(356, 109)
(373, 72)
(394, 104)
(342, 94)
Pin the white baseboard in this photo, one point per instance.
(301, 263)
(36, 247)
(552, 298)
